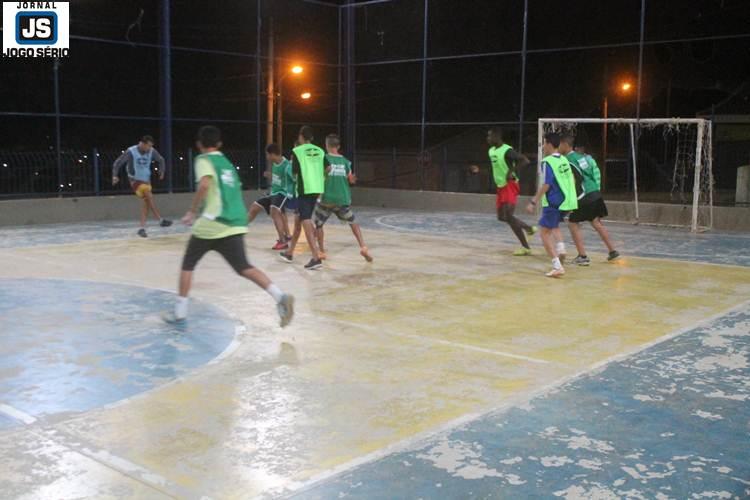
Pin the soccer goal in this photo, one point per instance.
(663, 160)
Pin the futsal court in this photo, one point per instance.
(445, 369)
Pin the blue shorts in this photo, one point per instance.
(551, 218)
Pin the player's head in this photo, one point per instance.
(305, 135)
(209, 138)
(333, 143)
(551, 143)
(146, 143)
(273, 153)
(495, 136)
(567, 142)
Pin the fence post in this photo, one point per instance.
(191, 182)
(95, 156)
(394, 168)
(445, 167)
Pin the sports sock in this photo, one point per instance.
(560, 247)
(275, 292)
(181, 308)
(556, 263)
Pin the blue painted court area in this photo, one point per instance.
(670, 422)
(70, 346)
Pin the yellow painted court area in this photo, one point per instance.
(434, 330)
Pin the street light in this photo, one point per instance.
(306, 95)
(624, 88)
(294, 70)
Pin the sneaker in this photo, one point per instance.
(172, 319)
(365, 252)
(532, 231)
(522, 252)
(556, 273)
(314, 264)
(285, 309)
(582, 260)
(165, 223)
(613, 255)
(285, 257)
(280, 245)
(142, 233)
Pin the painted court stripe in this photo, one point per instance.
(412, 442)
(457, 345)
(17, 414)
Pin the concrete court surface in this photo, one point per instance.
(445, 369)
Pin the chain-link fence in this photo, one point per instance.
(411, 85)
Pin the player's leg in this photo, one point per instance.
(144, 216)
(550, 224)
(149, 197)
(196, 249)
(604, 235)
(346, 214)
(232, 248)
(322, 213)
(278, 223)
(306, 207)
(559, 241)
(577, 234)
(261, 204)
(505, 213)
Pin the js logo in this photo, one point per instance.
(36, 28)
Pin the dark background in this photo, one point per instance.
(696, 59)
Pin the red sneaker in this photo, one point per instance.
(281, 245)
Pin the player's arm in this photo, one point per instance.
(162, 164)
(541, 191)
(595, 172)
(515, 162)
(117, 165)
(352, 178)
(200, 195)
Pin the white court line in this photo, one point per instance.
(413, 441)
(17, 414)
(457, 345)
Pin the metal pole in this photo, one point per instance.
(445, 168)
(258, 87)
(191, 173)
(424, 95)
(605, 129)
(280, 116)
(697, 179)
(270, 90)
(58, 139)
(635, 171)
(351, 106)
(338, 81)
(638, 96)
(523, 75)
(394, 168)
(95, 159)
(166, 79)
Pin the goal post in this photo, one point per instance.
(661, 160)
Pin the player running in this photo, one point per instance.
(220, 226)
(137, 160)
(337, 197)
(280, 198)
(505, 165)
(309, 164)
(558, 196)
(591, 206)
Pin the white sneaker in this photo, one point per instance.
(172, 319)
(286, 309)
(556, 273)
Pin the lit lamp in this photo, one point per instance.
(306, 95)
(294, 70)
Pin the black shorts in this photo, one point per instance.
(589, 211)
(323, 212)
(232, 248)
(306, 206)
(272, 200)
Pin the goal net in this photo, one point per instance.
(648, 161)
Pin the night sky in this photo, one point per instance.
(123, 80)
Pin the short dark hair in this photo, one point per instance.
(497, 132)
(147, 139)
(273, 149)
(552, 138)
(569, 139)
(209, 136)
(307, 132)
(333, 140)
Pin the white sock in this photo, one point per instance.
(181, 308)
(275, 292)
(556, 263)
(560, 247)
